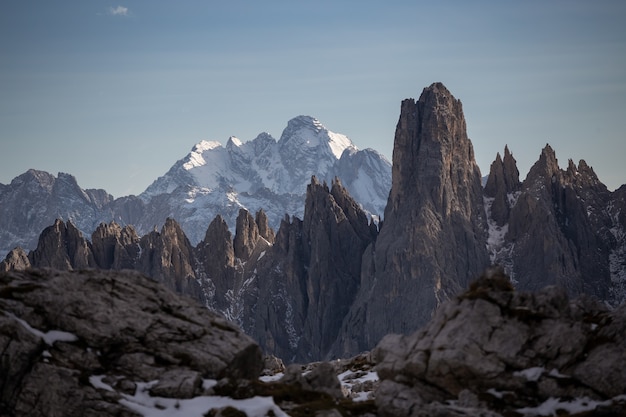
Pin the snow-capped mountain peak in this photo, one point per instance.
(234, 141)
(195, 157)
(308, 132)
(265, 173)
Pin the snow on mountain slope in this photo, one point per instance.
(264, 173)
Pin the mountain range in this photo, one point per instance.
(212, 179)
(333, 282)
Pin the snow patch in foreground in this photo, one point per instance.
(148, 406)
(49, 337)
(555, 406)
(350, 380)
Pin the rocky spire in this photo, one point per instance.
(167, 257)
(557, 226)
(246, 235)
(115, 247)
(545, 170)
(310, 276)
(17, 259)
(216, 257)
(433, 241)
(62, 246)
(503, 180)
(335, 234)
(263, 224)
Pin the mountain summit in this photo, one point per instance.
(433, 240)
(331, 283)
(265, 174)
(211, 179)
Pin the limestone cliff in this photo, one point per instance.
(433, 240)
(557, 227)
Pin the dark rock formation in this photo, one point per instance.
(559, 227)
(246, 235)
(167, 257)
(216, 258)
(502, 182)
(433, 240)
(500, 351)
(17, 259)
(335, 234)
(263, 223)
(62, 246)
(115, 247)
(309, 277)
(329, 285)
(74, 343)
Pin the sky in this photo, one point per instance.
(115, 93)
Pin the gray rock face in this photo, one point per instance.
(17, 259)
(115, 247)
(72, 331)
(62, 246)
(167, 258)
(503, 181)
(35, 199)
(330, 285)
(558, 227)
(509, 349)
(433, 240)
(309, 277)
(246, 236)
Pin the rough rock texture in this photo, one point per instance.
(16, 259)
(246, 235)
(216, 258)
(503, 181)
(505, 350)
(433, 240)
(167, 258)
(559, 227)
(115, 247)
(33, 200)
(328, 285)
(62, 246)
(309, 277)
(263, 223)
(71, 330)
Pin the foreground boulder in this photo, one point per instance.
(499, 352)
(73, 343)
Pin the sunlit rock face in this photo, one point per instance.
(433, 239)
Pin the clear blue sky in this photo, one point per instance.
(115, 92)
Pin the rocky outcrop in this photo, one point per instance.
(263, 224)
(115, 247)
(17, 259)
(559, 227)
(85, 343)
(62, 246)
(167, 257)
(328, 284)
(246, 235)
(33, 200)
(493, 351)
(502, 184)
(433, 240)
(307, 280)
(335, 233)
(216, 259)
